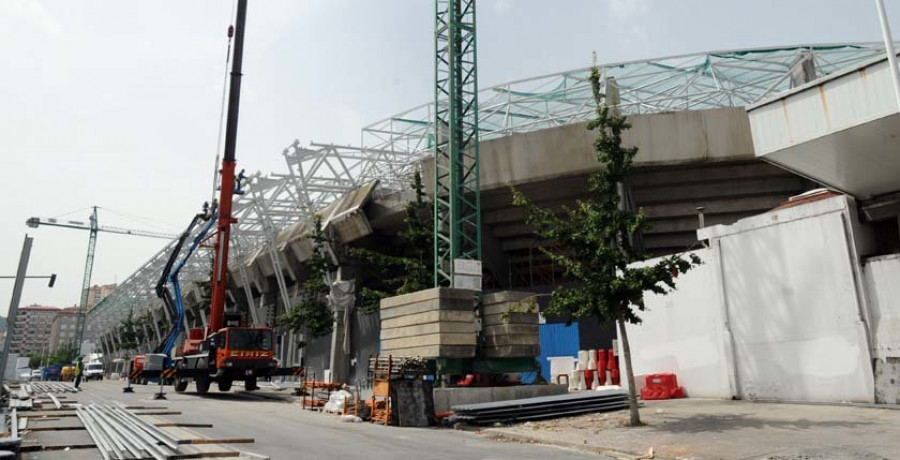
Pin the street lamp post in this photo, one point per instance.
(14, 304)
(889, 47)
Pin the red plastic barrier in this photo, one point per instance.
(601, 365)
(661, 386)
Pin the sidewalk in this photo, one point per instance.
(716, 429)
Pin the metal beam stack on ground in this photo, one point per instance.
(119, 434)
(545, 407)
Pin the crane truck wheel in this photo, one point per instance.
(180, 385)
(224, 385)
(202, 385)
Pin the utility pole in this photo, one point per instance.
(889, 48)
(14, 304)
(457, 188)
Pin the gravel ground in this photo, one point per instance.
(713, 429)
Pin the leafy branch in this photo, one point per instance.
(312, 313)
(388, 275)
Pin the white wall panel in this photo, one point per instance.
(683, 333)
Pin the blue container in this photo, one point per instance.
(557, 339)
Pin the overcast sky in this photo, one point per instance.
(115, 103)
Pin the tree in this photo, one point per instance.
(34, 359)
(313, 312)
(596, 242)
(62, 355)
(387, 274)
(128, 334)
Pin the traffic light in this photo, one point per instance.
(52, 280)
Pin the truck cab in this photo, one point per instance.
(232, 353)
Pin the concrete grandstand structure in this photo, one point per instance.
(690, 121)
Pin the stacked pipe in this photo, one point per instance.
(52, 387)
(544, 407)
(120, 435)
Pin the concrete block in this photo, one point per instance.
(446, 398)
(511, 329)
(448, 338)
(425, 306)
(507, 339)
(887, 381)
(301, 249)
(505, 297)
(432, 351)
(511, 351)
(503, 308)
(428, 294)
(429, 317)
(428, 323)
(511, 318)
(424, 329)
(351, 227)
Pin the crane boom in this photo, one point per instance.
(35, 222)
(93, 227)
(228, 186)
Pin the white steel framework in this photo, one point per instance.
(392, 148)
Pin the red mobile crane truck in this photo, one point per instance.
(220, 352)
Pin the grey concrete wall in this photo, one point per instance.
(665, 138)
(364, 330)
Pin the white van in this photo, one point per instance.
(93, 371)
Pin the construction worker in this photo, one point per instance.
(79, 371)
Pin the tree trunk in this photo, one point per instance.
(632, 389)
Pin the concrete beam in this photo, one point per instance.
(539, 192)
(664, 139)
(715, 206)
(657, 176)
(703, 191)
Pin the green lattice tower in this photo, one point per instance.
(457, 198)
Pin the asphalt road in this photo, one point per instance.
(284, 431)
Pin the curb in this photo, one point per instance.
(498, 434)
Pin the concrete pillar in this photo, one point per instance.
(103, 348)
(185, 321)
(117, 339)
(261, 311)
(289, 356)
(148, 331)
(156, 326)
(168, 314)
(342, 300)
(204, 318)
